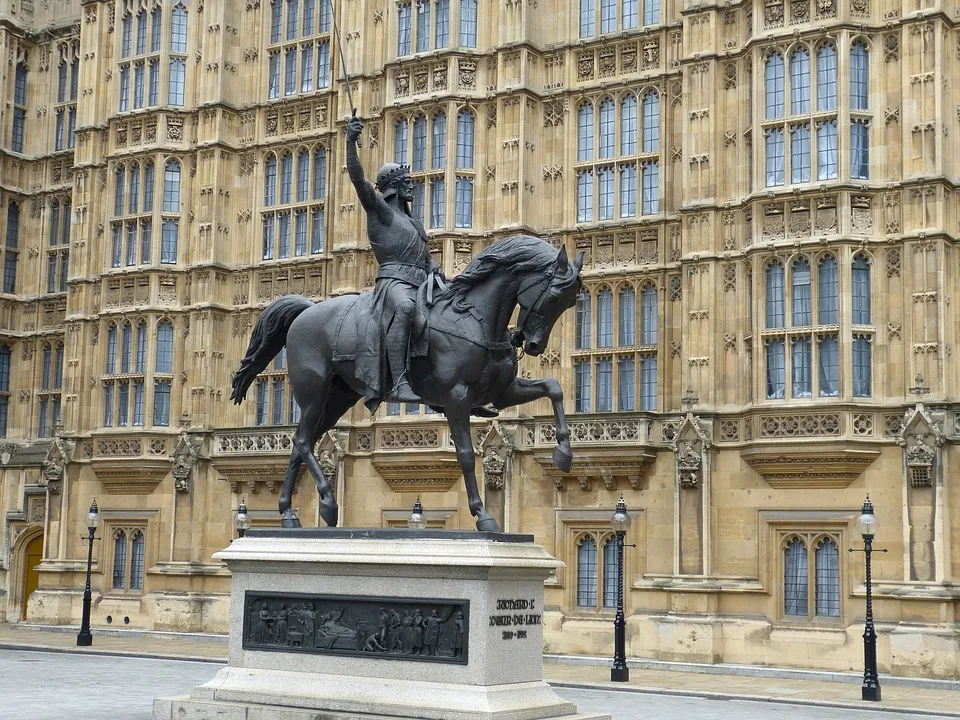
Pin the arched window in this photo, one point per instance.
(156, 29)
(270, 181)
(465, 124)
(126, 35)
(827, 156)
(119, 560)
(862, 366)
(303, 176)
(141, 362)
(650, 179)
(439, 154)
(800, 81)
(276, 20)
(795, 578)
(628, 125)
(126, 348)
(775, 295)
(293, 16)
(141, 32)
(148, 188)
(121, 181)
(829, 352)
(627, 317)
(420, 144)
(468, 23)
(774, 86)
(587, 572)
(319, 173)
(859, 76)
(606, 128)
(802, 367)
(827, 563)
(400, 133)
(827, 78)
(860, 149)
(861, 291)
(178, 29)
(164, 356)
(611, 572)
(801, 293)
(648, 315)
(111, 368)
(134, 199)
(286, 178)
(171, 187)
(4, 387)
(136, 562)
(827, 291)
(585, 132)
(605, 319)
(583, 320)
(651, 122)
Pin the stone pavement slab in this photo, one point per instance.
(53, 686)
(933, 701)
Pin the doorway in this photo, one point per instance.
(33, 555)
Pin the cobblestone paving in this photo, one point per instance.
(54, 686)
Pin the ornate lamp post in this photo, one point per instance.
(242, 519)
(84, 638)
(867, 525)
(620, 672)
(416, 521)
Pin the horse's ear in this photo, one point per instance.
(578, 262)
(563, 262)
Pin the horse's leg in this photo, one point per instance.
(457, 408)
(338, 402)
(289, 517)
(524, 390)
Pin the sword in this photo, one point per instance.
(343, 63)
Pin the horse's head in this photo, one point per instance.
(543, 297)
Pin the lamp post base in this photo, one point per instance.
(618, 674)
(871, 692)
(84, 638)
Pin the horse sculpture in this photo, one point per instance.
(470, 357)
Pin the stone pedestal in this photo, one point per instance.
(398, 623)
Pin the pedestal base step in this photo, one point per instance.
(260, 694)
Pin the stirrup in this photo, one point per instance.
(402, 392)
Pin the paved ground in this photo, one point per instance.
(37, 685)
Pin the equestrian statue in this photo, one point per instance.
(415, 337)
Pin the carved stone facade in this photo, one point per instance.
(778, 438)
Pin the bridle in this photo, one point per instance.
(542, 281)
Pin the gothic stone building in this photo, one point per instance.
(766, 195)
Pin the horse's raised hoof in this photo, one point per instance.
(562, 459)
(330, 513)
(290, 520)
(486, 522)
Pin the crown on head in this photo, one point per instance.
(389, 178)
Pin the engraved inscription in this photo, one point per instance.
(382, 627)
(523, 614)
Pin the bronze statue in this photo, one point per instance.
(399, 243)
(465, 357)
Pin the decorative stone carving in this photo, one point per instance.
(54, 465)
(184, 459)
(691, 445)
(921, 438)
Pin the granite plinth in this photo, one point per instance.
(431, 624)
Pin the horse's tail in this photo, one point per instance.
(269, 337)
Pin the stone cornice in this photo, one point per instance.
(807, 465)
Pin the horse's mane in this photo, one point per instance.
(522, 253)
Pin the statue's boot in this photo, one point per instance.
(403, 392)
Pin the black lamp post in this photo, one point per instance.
(620, 672)
(84, 638)
(867, 525)
(242, 519)
(417, 521)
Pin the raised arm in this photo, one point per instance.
(369, 198)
